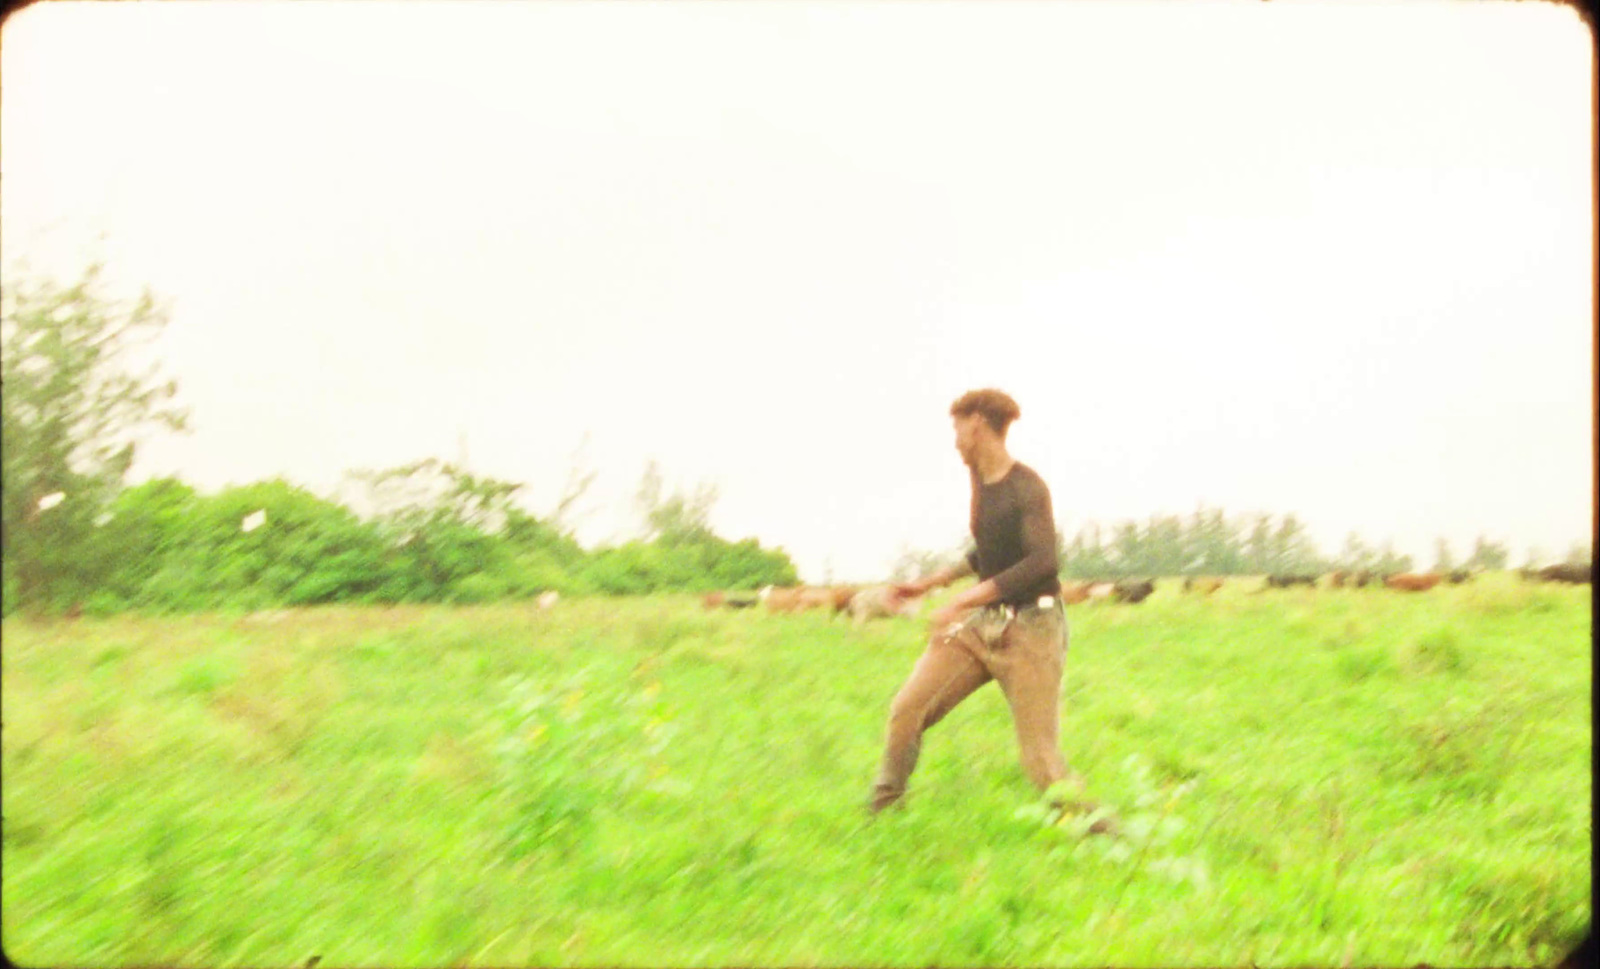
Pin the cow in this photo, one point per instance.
(1336, 579)
(1203, 586)
(1133, 591)
(1073, 593)
(1101, 590)
(812, 597)
(1285, 581)
(881, 602)
(1458, 576)
(780, 600)
(741, 602)
(712, 600)
(842, 594)
(1573, 574)
(1412, 582)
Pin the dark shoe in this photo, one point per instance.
(881, 802)
(1108, 825)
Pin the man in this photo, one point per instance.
(1011, 627)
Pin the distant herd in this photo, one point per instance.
(863, 603)
(860, 602)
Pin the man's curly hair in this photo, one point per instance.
(997, 408)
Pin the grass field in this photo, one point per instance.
(1321, 777)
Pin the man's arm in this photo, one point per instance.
(949, 574)
(1039, 541)
(981, 594)
(943, 577)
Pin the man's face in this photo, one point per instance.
(968, 428)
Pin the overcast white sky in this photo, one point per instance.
(1332, 258)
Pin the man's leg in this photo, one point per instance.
(945, 675)
(1030, 670)
(1030, 675)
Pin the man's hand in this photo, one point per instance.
(910, 590)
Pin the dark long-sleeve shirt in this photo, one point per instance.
(1015, 531)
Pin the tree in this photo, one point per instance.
(440, 521)
(1443, 561)
(677, 519)
(70, 416)
(1258, 547)
(1218, 546)
(1389, 562)
(1488, 555)
(1292, 550)
(1087, 557)
(1163, 546)
(564, 518)
(1356, 556)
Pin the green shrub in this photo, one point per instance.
(481, 587)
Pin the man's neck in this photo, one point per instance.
(993, 465)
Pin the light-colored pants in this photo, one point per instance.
(1024, 652)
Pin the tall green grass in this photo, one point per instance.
(1307, 777)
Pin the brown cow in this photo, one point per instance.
(712, 600)
(813, 597)
(1203, 586)
(1133, 591)
(842, 594)
(1101, 590)
(1411, 582)
(1285, 581)
(1573, 574)
(781, 600)
(1073, 593)
(1336, 580)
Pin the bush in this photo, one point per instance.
(166, 548)
(103, 603)
(481, 587)
(624, 571)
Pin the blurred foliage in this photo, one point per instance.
(1209, 543)
(1491, 556)
(436, 534)
(74, 538)
(69, 415)
(913, 563)
(1204, 543)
